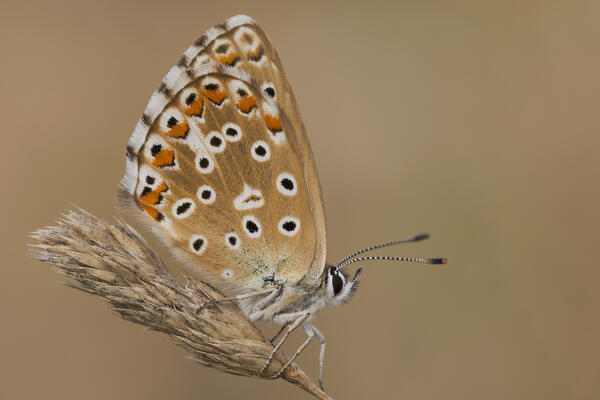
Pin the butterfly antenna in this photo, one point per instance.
(387, 258)
(416, 238)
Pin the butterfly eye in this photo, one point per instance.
(183, 208)
(251, 226)
(232, 241)
(289, 225)
(260, 151)
(206, 194)
(204, 163)
(337, 282)
(215, 142)
(232, 132)
(286, 184)
(198, 244)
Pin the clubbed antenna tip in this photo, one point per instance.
(421, 236)
(438, 261)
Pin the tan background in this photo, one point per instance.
(474, 121)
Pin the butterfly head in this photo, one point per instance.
(339, 288)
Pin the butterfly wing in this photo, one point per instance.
(221, 163)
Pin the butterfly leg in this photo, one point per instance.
(311, 331)
(280, 331)
(321, 338)
(236, 298)
(292, 327)
(262, 304)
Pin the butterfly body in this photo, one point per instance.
(221, 165)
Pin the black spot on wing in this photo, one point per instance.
(260, 151)
(289, 226)
(198, 244)
(183, 208)
(251, 226)
(287, 183)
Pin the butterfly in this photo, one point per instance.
(221, 165)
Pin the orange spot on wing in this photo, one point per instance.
(273, 123)
(153, 197)
(150, 197)
(162, 187)
(151, 211)
(195, 108)
(178, 131)
(246, 103)
(229, 58)
(216, 96)
(164, 158)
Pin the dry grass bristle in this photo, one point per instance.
(115, 263)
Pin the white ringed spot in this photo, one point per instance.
(227, 273)
(269, 90)
(183, 208)
(232, 132)
(246, 39)
(206, 194)
(232, 241)
(198, 244)
(215, 142)
(289, 225)
(260, 151)
(251, 226)
(204, 163)
(286, 184)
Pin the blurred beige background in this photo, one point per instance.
(475, 121)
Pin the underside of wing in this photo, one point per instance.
(221, 164)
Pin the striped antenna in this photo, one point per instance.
(387, 258)
(416, 238)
